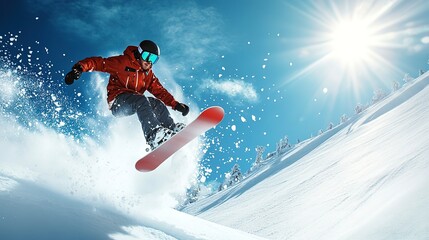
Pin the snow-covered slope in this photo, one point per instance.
(365, 179)
(28, 211)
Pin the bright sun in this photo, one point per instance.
(351, 41)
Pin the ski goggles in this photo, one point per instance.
(149, 57)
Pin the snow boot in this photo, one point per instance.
(159, 136)
(177, 127)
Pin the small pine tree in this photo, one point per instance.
(396, 86)
(282, 145)
(192, 194)
(358, 108)
(231, 178)
(378, 95)
(344, 118)
(259, 152)
(221, 187)
(236, 175)
(407, 78)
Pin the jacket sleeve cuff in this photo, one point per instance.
(79, 67)
(174, 104)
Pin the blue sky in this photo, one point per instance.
(279, 68)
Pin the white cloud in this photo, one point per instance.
(411, 37)
(232, 88)
(7, 184)
(425, 40)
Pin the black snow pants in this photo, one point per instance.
(152, 113)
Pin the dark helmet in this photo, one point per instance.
(149, 46)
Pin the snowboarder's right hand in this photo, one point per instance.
(74, 74)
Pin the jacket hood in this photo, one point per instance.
(130, 51)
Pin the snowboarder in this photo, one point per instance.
(130, 76)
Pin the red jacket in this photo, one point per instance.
(126, 75)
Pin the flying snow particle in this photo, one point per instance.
(263, 66)
(243, 119)
(325, 90)
(254, 118)
(37, 18)
(233, 128)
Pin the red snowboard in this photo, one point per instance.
(209, 118)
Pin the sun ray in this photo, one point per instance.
(355, 42)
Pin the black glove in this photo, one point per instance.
(74, 74)
(183, 108)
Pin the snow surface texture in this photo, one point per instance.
(28, 211)
(365, 179)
